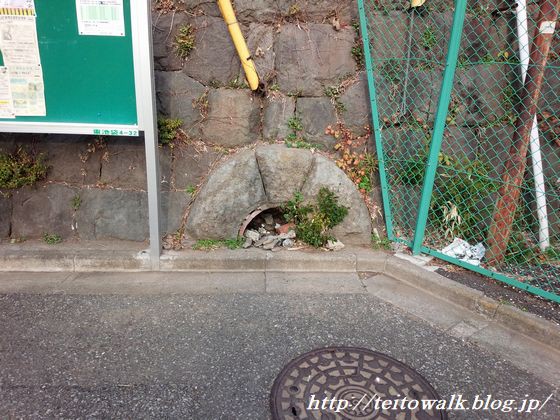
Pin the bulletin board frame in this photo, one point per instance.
(139, 18)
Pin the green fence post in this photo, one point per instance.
(376, 123)
(439, 124)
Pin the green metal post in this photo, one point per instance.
(376, 123)
(439, 125)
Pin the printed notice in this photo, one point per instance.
(6, 102)
(18, 40)
(28, 91)
(100, 17)
(20, 49)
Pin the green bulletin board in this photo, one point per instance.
(88, 79)
(99, 82)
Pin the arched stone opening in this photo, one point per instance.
(266, 178)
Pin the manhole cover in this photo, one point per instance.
(352, 383)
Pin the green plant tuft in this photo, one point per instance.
(211, 244)
(295, 124)
(295, 139)
(331, 212)
(76, 202)
(20, 168)
(184, 41)
(459, 202)
(168, 129)
(52, 238)
(380, 243)
(429, 39)
(191, 190)
(357, 49)
(314, 221)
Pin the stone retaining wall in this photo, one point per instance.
(299, 51)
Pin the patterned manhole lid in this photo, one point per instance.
(351, 383)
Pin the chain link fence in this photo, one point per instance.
(477, 183)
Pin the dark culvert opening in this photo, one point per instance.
(268, 229)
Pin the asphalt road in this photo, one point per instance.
(216, 355)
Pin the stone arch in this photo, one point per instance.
(269, 176)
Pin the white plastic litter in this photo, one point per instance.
(464, 251)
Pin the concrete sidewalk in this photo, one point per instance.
(87, 257)
(209, 345)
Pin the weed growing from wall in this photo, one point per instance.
(184, 41)
(76, 202)
(168, 130)
(358, 49)
(295, 139)
(20, 169)
(52, 238)
(354, 158)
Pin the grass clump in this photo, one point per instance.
(52, 238)
(379, 242)
(313, 221)
(184, 41)
(211, 244)
(20, 169)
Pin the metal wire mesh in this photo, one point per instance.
(484, 130)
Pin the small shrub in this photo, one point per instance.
(184, 41)
(52, 238)
(168, 129)
(314, 221)
(327, 204)
(312, 232)
(294, 210)
(20, 168)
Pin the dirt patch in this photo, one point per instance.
(503, 293)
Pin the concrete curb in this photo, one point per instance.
(253, 260)
(530, 325)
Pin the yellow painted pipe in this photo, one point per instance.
(240, 45)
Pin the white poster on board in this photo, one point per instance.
(20, 50)
(100, 17)
(6, 101)
(28, 90)
(18, 40)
